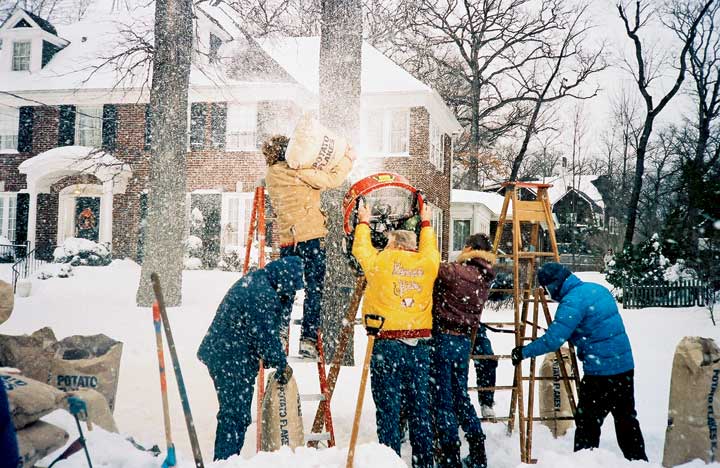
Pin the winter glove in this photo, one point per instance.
(516, 356)
(284, 377)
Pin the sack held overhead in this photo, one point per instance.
(313, 146)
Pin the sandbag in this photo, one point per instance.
(97, 408)
(28, 353)
(694, 407)
(554, 401)
(29, 399)
(282, 423)
(38, 440)
(7, 301)
(313, 146)
(87, 362)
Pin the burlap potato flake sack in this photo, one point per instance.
(38, 440)
(554, 401)
(29, 399)
(282, 423)
(313, 146)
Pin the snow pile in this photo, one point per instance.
(77, 251)
(53, 270)
(107, 305)
(5, 241)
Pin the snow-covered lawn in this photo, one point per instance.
(101, 300)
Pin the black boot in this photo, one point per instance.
(449, 456)
(477, 457)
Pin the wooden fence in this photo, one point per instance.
(677, 294)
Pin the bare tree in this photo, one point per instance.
(472, 52)
(561, 73)
(644, 76)
(704, 68)
(340, 66)
(166, 197)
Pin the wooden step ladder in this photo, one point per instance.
(528, 298)
(324, 431)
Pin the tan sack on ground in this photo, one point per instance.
(554, 401)
(97, 406)
(313, 146)
(87, 362)
(29, 399)
(281, 416)
(38, 440)
(694, 408)
(28, 353)
(7, 301)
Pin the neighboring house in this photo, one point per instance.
(74, 141)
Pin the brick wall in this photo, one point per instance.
(47, 218)
(209, 168)
(418, 169)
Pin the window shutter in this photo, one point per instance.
(25, 130)
(66, 126)
(22, 209)
(109, 127)
(218, 114)
(148, 127)
(197, 126)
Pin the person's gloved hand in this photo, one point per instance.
(284, 377)
(516, 355)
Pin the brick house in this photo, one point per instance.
(74, 138)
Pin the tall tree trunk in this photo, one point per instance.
(167, 187)
(632, 209)
(473, 176)
(340, 66)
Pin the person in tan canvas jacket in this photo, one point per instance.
(295, 198)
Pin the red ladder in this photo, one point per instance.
(326, 432)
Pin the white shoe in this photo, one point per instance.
(487, 411)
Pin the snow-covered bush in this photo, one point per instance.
(52, 270)
(645, 263)
(7, 254)
(193, 252)
(77, 251)
(192, 263)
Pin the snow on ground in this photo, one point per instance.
(101, 300)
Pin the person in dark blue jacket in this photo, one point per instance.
(588, 317)
(246, 329)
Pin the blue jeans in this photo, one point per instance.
(452, 403)
(485, 369)
(312, 254)
(233, 381)
(400, 376)
(9, 456)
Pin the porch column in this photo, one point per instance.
(32, 215)
(106, 212)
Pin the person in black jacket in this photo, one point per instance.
(246, 329)
(460, 292)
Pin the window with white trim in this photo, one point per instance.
(9, 118)
(461, 231)
(88, 126)
(387, 132)
(241, 130)
(21, 56)
(8, 210)
(234, 220)
(436, 220)
(437, 147)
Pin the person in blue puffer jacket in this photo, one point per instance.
(246, 329)
(588, 318)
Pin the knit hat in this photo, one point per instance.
(286, 275)
(274, 149)
(552, 276)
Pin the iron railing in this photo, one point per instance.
(27, 265)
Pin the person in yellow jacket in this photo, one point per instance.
(295, 198)
(400, 282)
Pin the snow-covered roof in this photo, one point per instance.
(300, 56)
(491, 200)
(47, 168)
(582, 183)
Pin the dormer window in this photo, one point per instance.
(21, 56)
